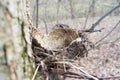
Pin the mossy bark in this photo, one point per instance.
(16, 48)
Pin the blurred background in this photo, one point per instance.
(78, 14)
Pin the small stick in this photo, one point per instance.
(88, 75)
(33, 78)
(88, 13)
(108, 33)
(104, 78)
(37, 12)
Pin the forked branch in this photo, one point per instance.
(101, 18)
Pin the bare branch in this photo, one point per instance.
(109, 32)
(101, 18)
(89, 11)
(71, 9)
(33, 78)
(99, 30)
(37, 12)
(85, 73)
(58, 7)
(108, 78)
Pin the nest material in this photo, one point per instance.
(59, 45)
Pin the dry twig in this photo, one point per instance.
(101, 18)
(33, 78)
(108, 33)
(70, 64)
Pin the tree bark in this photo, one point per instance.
(17, 49)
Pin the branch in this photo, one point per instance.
(75, 75)
(62, 25)
(58, 10)
(37, 11)
(99, 30)
(88, 13)
(101, 18)
(35, 73)
(109, 32)
(75, 67)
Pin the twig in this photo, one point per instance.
(92, 31)
(66, 74)
(58, 7)
(71, 9)
(108, 33)
(33, 78)
(37, 12)
(43, 52)
(68, 63)
(89, 11)
(101, 18)
(74, 75)
(104, 78)
(62, 25)
(44, 20)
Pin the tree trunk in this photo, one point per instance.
(16, 48)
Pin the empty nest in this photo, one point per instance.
(56, 51)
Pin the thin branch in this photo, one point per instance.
(33, 78)
(70, 64)
(58, 7)
(45, 17)
(46, 54)
(99, 30)
(108, 33)
(89, 11)
(45, 9)
(74, 75)
(81, 76)
(101, 18)
(37, 12)
(104, 78)
(71, 9)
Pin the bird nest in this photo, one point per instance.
(57, 52)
